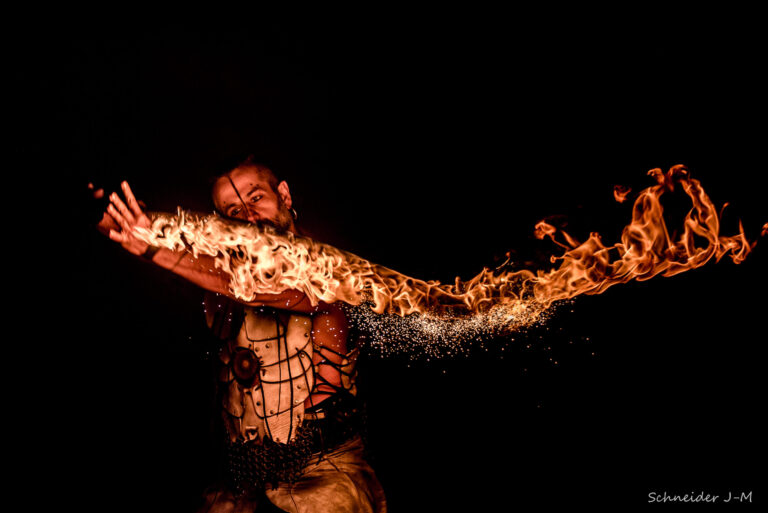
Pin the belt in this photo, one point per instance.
(256, 463)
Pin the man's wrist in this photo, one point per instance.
(149, 254)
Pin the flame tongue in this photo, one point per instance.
(262, 261)
(646, 248)
(621, 192)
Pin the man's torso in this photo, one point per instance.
(269, 372)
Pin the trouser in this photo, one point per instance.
(338, 482)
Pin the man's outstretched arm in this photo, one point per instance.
(199, 270)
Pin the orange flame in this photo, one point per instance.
(261, 261)
(620, 192)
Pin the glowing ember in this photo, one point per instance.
(262, 261)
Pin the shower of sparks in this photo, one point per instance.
(438, 336)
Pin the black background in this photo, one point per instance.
(430, 146)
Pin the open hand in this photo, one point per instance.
(127, 218)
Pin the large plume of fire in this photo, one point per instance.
(262, 261)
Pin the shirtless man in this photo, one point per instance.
(288, 370)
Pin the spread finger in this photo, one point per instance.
(117, 216)
(122, 208)
(116, 236)
(131, 199)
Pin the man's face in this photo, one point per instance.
(246, 194)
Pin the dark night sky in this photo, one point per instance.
(431, 148)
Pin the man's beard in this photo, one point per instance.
(281, 222)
